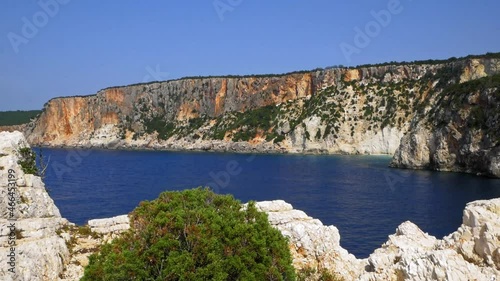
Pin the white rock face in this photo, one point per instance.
(104, 136)
(470, 253)
(112, 225)
(40, 254)
(312, 244)
(478, 239)
(384, 141)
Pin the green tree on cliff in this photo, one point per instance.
(195, 235)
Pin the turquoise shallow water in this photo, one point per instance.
(360, 195)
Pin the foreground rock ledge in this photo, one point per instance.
(470, 253)
(39, 252)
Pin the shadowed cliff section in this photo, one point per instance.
(364, 110)
(460, 133)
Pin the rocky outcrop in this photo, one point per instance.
(478, 239)
(460, 133)
(30, 246)
(312, 244)
(470, 253)
(111, 226)
(87, 240)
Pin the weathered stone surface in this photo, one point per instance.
(459, 130)
(478, 239)
(461, 134)
(13, 128)
(312, 244)
(112, 225)
(467, 254)
(40, 253)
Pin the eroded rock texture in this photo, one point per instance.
(39, 252)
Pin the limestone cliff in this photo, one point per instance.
(364, 110)
(30, 247)
(461, 132)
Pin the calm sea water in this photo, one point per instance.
(360, 195)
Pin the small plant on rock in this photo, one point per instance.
(27, 160)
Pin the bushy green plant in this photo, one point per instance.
(279, 139)
(27, 160)
(195, 235)
(263, 119)
(164, 129)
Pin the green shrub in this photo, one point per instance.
(263, 118)
(27, 161)
(279, 139)
(164, 129)
(195, 235)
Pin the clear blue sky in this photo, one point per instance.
(88, 45)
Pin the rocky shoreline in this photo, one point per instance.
(48, 247)
(209, 146)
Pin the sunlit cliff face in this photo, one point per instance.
(353, 111)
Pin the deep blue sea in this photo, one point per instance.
(360, 195)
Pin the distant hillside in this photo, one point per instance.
(10, 118)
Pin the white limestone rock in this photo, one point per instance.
(470, 253)
(478, 239)
(112, 225)
(41, 254)
(312, 244)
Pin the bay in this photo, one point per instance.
(360, 195)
